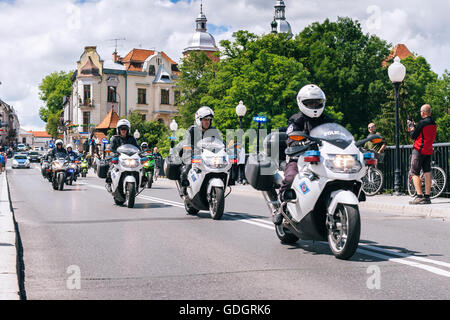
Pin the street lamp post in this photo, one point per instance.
(397, 72)
(173, 127)
(136, 134)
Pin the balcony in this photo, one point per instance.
(87, 103)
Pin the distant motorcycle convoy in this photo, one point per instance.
(320, 204)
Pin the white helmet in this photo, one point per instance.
(123, 123)
(201, 113)
(69, 146)
(59, 141)
(311, 100)
(144, 145)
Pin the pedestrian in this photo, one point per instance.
(376, 148)
(158, 163)
(2, 163)
(423, 135)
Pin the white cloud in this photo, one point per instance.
(42, 36)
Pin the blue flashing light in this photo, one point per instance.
(369, 155)
(260, 119)
(312, 153)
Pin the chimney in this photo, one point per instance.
(116, 57)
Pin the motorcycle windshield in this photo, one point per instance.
(211, 144)
(128, 149)
(333, 133)
(60, 155)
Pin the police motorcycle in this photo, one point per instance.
(72, 170)
(84, 167)
(58, 171)
(45, 167)
(323, 202)
(126, 174)
(207, 178)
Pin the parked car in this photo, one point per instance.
(20, 161)
(21, 147)
(34, 156)
(37, 149)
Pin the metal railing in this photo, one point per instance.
(441, 158)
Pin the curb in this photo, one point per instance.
(9, 281)
(416, 210)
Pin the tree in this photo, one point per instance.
(346, 64)
(52, 124)
(53, 88)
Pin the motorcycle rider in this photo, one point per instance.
(122, 137)
(311, 102)
(201, 129)
(144, 146)
(70, 151)
(59, 148)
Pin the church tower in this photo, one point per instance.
(279, 23)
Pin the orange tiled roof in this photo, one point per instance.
(40, 134)
(110, 121)
(99, 135)
(400, 51)
(138, 56)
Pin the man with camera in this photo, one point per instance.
(423, 135)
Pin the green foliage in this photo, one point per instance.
(52, 124)
(443, 130)
(53, 88)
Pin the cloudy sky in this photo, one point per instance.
(38, 37)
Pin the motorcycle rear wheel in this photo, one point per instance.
(285, 235)
(217, 203)
(344, 232)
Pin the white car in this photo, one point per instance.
(20, 161)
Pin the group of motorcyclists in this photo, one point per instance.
(201, 167)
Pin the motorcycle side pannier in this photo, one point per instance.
(260, 172)
(102, 168)
(172, 168)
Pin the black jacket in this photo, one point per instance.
(194, 134)
(300, 122)
(55, 151)
(117, 141)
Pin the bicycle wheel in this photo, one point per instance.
(411, 189)
(438, 181)
(372, 181)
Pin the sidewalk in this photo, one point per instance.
(9, 284)
(439, 207)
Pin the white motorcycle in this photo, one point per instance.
(323, 205)
(126, 175)
(207, 178)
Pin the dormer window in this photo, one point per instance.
(151, 70)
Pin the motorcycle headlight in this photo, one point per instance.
(57, 165)
(343, 163)
(130, 163)
(73, 166)
(216, 162)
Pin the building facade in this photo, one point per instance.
(202, 40)
(143, 81)
(9, 129)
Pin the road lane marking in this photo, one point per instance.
(406, 262)
(361, 248)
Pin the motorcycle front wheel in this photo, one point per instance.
(216, 203)
(60, 181)
(344, 231)
(131, 194)
(150, 180)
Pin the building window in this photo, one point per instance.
(151, 70)
(164, 96)
(87, 94)
(142, 96)
(112, 94)
(144, 117)
(86, 121)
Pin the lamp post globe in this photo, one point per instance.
(136, 134)
(397, 72)
(173, 125)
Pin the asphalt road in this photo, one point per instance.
(77, 244)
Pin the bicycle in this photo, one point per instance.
(438, 181)
(373, 179)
